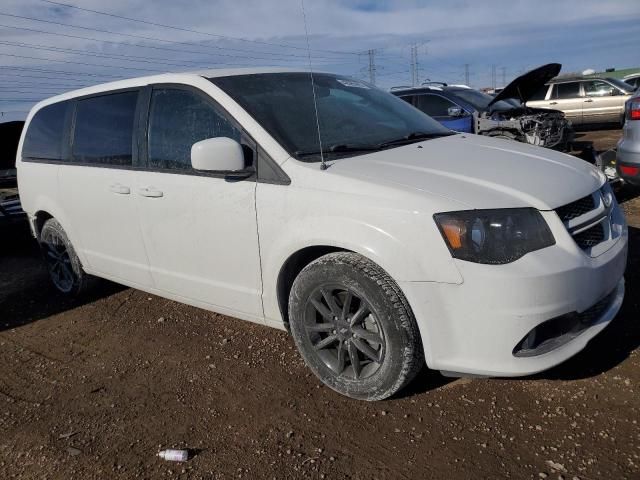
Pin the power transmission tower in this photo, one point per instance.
(414, 64)
(504, 76)
(372, 66)
(466, 74)
(493, 77)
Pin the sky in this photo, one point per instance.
(49, 47)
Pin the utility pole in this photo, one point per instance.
(504, 76)
(466, 74)
(372, 66)
(493, 77)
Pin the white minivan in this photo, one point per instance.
(333, 209)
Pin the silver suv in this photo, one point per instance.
(585, 100)
(628, 157)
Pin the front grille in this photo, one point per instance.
(590, 229)
(590, 237)
(575, 209)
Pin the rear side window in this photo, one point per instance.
(46, 132)
(434, 105)
(566, 90)
(104, 129)
(178, 119)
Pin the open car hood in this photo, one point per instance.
(526, 85)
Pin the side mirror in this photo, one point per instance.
(455, 112)
(221, 154)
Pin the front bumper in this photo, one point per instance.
(474, 327)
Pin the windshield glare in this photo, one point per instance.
(480, 100)
(350, 112)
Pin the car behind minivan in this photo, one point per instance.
(380, 239)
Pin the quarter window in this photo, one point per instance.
(566, 90)
(434, 105)
(46, 132)
(104, 129)
(178, 119)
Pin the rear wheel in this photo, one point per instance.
(63, 264)
(354, 327)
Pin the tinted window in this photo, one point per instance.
(104, 129)
(540, 94)
(350, 112)
(434, 105)
(479, 100)
(566, 90)
(597, 88)
(408, 98)
(177, 120)
(45, 134)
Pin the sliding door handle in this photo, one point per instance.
(150, 192)
(119, 189)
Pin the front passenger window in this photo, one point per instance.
(178, 119)
(597, 88)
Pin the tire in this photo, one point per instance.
(63, 264)
(371, 351)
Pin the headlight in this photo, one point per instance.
(494, 236)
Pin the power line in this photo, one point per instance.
(226, 37)
(77, 63)
(156, 47)
(59, 72)
(129, 58)
(143, 37)
(4, 74)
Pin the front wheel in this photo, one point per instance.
(63, 264)
(353, 327)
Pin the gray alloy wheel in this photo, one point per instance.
(63, 264)
(353, 327)
(344, 332)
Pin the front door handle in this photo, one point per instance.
(150, 192)
(553, 103)
(588, 101)
(120, 189)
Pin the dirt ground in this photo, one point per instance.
(92, 389)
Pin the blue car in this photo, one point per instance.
(464, 109)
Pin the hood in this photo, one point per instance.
(476, 172)
(525, 86)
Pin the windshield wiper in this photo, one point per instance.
(339, 148)
(414, 136)
(363, 147)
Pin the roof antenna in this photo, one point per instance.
(323, 166)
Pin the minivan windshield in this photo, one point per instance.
(354, 117)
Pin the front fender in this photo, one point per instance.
(401, 247)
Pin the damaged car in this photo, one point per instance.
(504, 116)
